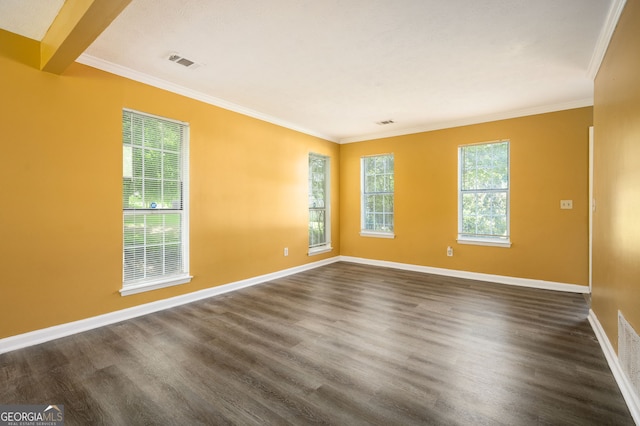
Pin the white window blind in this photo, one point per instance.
(319, 212)
(155, 200)
(483, 205)
(378, 183)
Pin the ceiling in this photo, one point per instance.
(335, 68)
(29, 18)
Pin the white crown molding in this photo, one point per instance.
(128, 73)
(125, 72)
(499, 279)
(472, 120)
(51, 333)
(629, 395)
(604, 39)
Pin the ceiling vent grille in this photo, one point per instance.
(188, 63)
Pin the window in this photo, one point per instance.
(483, 204)
(319, 213)
(377, 196)
(155, 202)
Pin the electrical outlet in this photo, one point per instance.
(566, 204)
(449, 251)
(286, 251)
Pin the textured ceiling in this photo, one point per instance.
(29, 18)
(334, 68)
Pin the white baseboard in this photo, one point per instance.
(630, 397)
(50, 333)
(500, 279)
(43, 335)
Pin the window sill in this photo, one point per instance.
(155, 284)
(377, 234)
(319, 250)
(481, 242)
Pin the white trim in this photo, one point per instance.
(591, 206)
(604, 39)
(499, 279)
(374, 234)
(580, 103)
(478, 242)
(125, 72)
(630, 397)
(319, 250)
(46, 334)
(130, 289)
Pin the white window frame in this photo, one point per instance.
(324, 246)
(478, 239)
(182, 277)
(366, 192)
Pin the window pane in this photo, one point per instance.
(154, 229)
(369, 203)
(127, 191)
(484, 214)
(127, 161)
(316, 227)
(152, 133)
(133, 263)
(378, 203)
(132, 194)
(387, 183)
(388, 222)
(172, 228)
(154, 261)
(171, 165)
(137, 134)
(173, 258)
(133, 230)
(370, 222)
(153, 164)
(171, 195)
(172, 137)
(137, 160)
(152, 193)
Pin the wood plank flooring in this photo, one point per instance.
(343, 344)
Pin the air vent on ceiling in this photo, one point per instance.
(188, 63)
(385, 122)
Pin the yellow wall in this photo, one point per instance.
(549, 162)
(61, 174)
(20, 49)
(616, 239)
(61, 233)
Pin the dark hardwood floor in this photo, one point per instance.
(342, 344)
